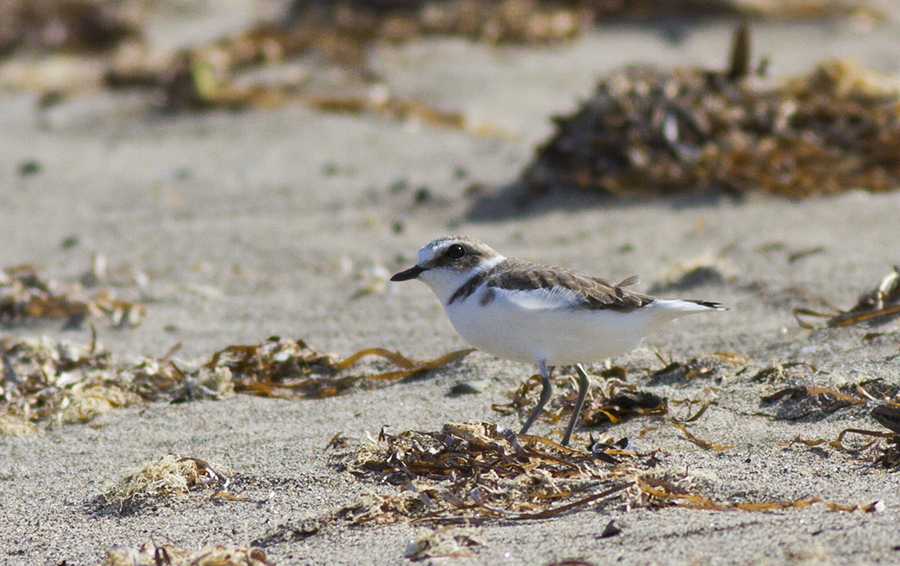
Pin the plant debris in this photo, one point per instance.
(73, 26)
(62, 382)
(299, 56)
(647, 132)
(25, 296)
(616, 400)
(477, 472)
(168, 475)
(443, 542)
(149, 554)
(877, 306)
(808, 402)
(289, 368)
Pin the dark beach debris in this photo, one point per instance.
(679, 373)
(888, 456)
(688, 435)
(443, 542)
(71, 26)
(615, 400)
(779, 372)
(877, 306)
(476, 472)
(888, 416)
(45, 382)
(343, 29)
(295, 57)
(623, 406)
(283, 367)
(648, 132)
(25, 296)
(809, 402)
(171, 475)
(151, 554)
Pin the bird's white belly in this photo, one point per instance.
(560, 337)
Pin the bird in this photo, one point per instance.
(534, 313)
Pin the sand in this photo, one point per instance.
(269, 222)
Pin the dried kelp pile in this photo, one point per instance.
(26, 296)
(246, 69)
(648, 132)
(54, 383)
(73, 26)
(151, 554)
(283, 367)
(169, 475)
(612, 399)
(886, 456)
(476, 472)
(877, 306)
(60, 383)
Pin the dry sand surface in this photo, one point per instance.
(269, 222)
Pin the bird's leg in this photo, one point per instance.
(546, 391)
(584, 382)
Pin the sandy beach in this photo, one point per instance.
(286, 222)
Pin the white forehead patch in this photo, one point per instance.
(431, 250)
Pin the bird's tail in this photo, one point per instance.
(670, 309)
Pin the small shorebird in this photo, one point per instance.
(533, 313)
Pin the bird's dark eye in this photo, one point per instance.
(456, 251)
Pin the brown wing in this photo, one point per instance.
(596, 293)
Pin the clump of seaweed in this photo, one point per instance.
(282, 61)
(73, 26)
(289, 368)
(443, 542)
(886, 414)
(169, 475)
(57, 382)
(60, 382)
(26, 296)
(151, 554)
(615, 400)
(647, 132)
(877, 306)
(477, 472)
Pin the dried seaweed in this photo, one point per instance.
(47, 382)
(166, 476)
(614, 401)
(647, 132)
(225, 73)
(478, 471)
(151, 554)
(877, 306)
(79, 26)
(443, 542)
(26, 296)
(664, 491)
(809, 402)
(289, 368)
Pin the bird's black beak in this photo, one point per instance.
(410, 273)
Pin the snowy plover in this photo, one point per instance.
(530, 313)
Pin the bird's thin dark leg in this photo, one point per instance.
(546, 391)
(584, 382)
